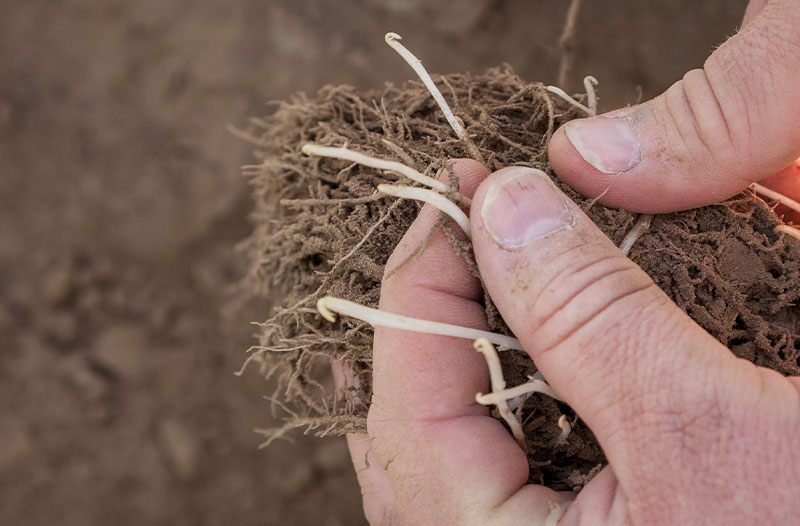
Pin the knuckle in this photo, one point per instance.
(712, 119)
(586, 299)
(752, 73)
(698, 122)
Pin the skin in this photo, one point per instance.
(693, 435)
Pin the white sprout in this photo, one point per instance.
(777, 196)
(532, 386)
(786, 229)
(566, 429)
(563, 94)
(329, 306)
(432, 198)
(589, 82)
(346, 154)
(393, 39)
(498, 383)
(642, 224)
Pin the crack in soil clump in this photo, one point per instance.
(320, 229)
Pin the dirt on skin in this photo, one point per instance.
(321, 230)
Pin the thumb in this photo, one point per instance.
(623, 355)
(708, 136)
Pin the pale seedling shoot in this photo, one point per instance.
(329, 306)
(785, 201)
(345, 154)
(393, 39)
(498, 383)
(429, 196)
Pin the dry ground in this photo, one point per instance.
(120, 205)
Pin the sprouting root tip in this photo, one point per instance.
(390, 37)
(482, 345)
(786, 229)
(564, 424)
(325, 312)
(307, 149)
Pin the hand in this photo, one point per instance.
(693, 435)
(733, 122)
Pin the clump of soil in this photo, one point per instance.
(320, 230)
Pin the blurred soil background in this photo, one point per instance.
(121, 204)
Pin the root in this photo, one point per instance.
(399, 152)
(498, 383)
(533, 386)
(419, 249)
(329, 306)
(433, 199)
(346, 154)
(589, 83)
(639, 228)
(786, 229)
(777, 196)
(561, 93)
(566, 428)
(567, 42)
(393, 39)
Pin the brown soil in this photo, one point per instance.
(120, 200)
(320, 231)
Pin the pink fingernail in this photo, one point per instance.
(523, 205)
(610, 144)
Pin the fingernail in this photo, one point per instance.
(523, 205)
(610, 144)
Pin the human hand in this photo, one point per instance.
(693, 435)
(718, 129)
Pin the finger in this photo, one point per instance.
(709, 135)
(633, 366)
(754, 7)
(448, 461)
(601, 501)
(376, 491)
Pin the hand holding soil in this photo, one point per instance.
(693, 435)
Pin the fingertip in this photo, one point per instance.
(470, 174)
(580, 175)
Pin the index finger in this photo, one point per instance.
(445, 455)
